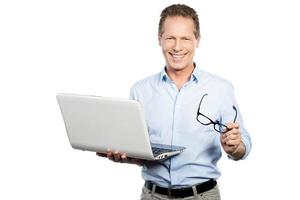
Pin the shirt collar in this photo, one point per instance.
(194, 77)
(163, 75)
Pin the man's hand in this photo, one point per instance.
(231, 141)
(120, 157)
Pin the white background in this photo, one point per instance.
(102, 48)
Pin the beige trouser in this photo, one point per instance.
(212, 194)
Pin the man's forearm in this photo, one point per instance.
(136, 161)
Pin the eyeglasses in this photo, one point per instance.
(204, 120)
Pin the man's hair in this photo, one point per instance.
(179, 10)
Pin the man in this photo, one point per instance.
(188, 107)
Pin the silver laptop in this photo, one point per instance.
(97, 123)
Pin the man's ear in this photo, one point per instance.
(198, 42)
(159, 39)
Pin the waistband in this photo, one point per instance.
(182, 192)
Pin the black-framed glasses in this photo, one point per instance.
(204, 120)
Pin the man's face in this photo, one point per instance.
(178, 42)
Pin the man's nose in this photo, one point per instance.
(177, 45)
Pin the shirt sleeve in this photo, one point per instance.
(228, 113)
(133, 93)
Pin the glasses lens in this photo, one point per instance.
(220, 128)
(203, 120)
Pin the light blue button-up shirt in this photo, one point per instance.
(171, 118)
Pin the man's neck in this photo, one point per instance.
(180, 77)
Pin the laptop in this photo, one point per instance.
(95, 123)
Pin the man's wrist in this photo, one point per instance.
(136, 161)
(239, 152)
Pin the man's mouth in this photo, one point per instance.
(177, 56)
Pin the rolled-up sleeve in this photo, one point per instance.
(227, 115)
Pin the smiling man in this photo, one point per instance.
(178, 39)
(186, 106)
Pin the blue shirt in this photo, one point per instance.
(171, 119)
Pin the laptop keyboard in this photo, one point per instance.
(157, 151)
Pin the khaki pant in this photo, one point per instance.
(212, 194)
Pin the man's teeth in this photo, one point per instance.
(177, 55)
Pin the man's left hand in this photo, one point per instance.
(232, 142)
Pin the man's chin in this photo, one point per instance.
(177, 66)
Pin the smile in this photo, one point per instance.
(177, 56)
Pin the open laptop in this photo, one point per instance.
(97, 123)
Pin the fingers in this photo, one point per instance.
(232, 138)
(232, 125)
(101, 154)
(115, 156)
(109, 154)
(120, 157)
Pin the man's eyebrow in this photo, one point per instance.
(186, 37)
(170, 36)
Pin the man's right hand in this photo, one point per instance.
(120, 157)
